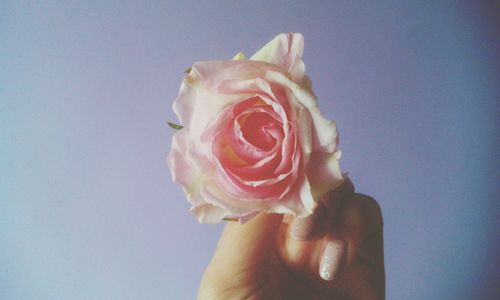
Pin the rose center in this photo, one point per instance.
(260, 130)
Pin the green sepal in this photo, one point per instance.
(175, 126)
(231, 219)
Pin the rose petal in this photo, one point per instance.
(305, 132)
(196, 106)
(323, 172)
(212, 74)
(213, 194)
(306, 199)
(300, 203)
(182, 171)
(253, 128)
(208, 213)
(253, 137)
(325, 132)
(284, 50)
(226, 130)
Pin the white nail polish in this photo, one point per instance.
(331, 260)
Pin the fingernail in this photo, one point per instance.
(331, 259)
(309, 227)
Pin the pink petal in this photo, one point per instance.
(182, 171)
(325, 132)
(209, 214)
(286, 51)
(323, 172)
(299, 202)
(195, 106)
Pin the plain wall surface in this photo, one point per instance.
(88, 209)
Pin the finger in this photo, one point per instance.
(352, 262)
(248, 244)
(357, 223)
(364, 277)
(299, 242)
(242, 257)
(308, 228)
(347, 261)
(335, 198)
(303, 229)
(303, 241)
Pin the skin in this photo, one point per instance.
(263, 259)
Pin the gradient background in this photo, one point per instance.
(88, 209)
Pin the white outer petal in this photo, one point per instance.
(300, 203)
(325, 131)
(196, 105)
(286, 51)
(323, 172)
(209, 214)
(181, 168)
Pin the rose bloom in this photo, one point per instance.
(253, 137)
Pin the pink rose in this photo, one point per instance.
(253, 137)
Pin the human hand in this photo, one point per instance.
(336, 253)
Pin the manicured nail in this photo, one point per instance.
(309, 227)
(332, 258)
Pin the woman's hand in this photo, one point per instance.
(337, 253)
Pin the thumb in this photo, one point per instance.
(251, 242)
(246, 245)
(241, 260)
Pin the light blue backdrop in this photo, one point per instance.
(87, 206)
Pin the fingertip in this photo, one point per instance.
(364, 210)
(356, 221)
